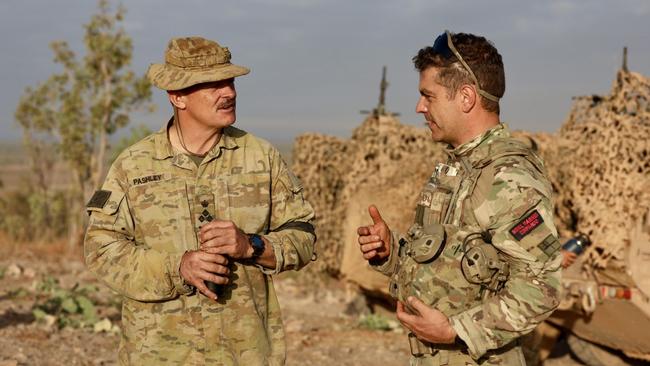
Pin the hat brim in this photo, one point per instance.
(169, 77)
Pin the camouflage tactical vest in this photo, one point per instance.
(447, 260)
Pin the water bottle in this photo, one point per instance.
(577, 244)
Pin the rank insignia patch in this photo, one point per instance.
(526, 225)
(99, 199)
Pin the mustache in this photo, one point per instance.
(227, 104)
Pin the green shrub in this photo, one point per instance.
(71, 307)
(28, 215)
(376, 322)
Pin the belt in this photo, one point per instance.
(421, 348)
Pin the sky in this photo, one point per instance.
(315, 64)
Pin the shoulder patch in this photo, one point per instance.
(526, 225)
(99, 199)
(549, 246)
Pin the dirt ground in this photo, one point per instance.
(322, 321)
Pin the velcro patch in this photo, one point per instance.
(549, 246)
(99, 199)
(526, 225)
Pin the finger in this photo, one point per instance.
(220, 250)
(371, 246)
(403, 316)
(417, 305)
(202, 256)
(369, 239)
(370, 255)
(200, 285)
(214, 233)
(217, 241)
(219, 280)
(215, 258)
(229, 249)
(374, 214)
(220, 224)
(363, 230)
(215, 268)
(216, 225)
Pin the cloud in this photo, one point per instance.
(562, 7)
(300, 4)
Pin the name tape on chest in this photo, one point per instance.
(147, 179)
(526, 225)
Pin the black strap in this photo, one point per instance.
(297, 225)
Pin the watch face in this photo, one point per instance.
(258, 245)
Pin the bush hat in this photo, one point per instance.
(193, 60)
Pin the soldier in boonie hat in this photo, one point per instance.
(199, 79)
(193, 60)
(193, 219)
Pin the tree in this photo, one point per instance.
(76, 111)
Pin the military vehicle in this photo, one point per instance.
(605, 313)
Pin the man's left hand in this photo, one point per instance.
(224, 237)
(428, 324)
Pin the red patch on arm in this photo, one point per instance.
(526, 225)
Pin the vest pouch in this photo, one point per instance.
(481, 264)
(429, 244)
(439, 205)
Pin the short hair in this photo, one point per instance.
(480, 55)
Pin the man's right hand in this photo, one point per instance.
(568, 258)
(198, 266)
(374, 240)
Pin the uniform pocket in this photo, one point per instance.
(439, 205)
(248, 201)
(433, 206)
(161, 212)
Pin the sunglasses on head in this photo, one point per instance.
(444, 47)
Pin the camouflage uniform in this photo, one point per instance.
(491, 193)
(147, 215)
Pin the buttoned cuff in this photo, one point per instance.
(471, 333)
(181, 287)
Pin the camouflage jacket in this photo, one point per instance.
(492, 192)
(145, 217)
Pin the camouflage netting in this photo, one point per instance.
(598, 162)
(385, 163)
(600, 166)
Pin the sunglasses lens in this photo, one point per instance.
(441, 47)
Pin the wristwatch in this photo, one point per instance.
(257, 243)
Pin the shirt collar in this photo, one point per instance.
(476, 148)
(163, 147)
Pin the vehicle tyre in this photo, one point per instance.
(593, 355)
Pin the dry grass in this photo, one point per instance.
(57, 248)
